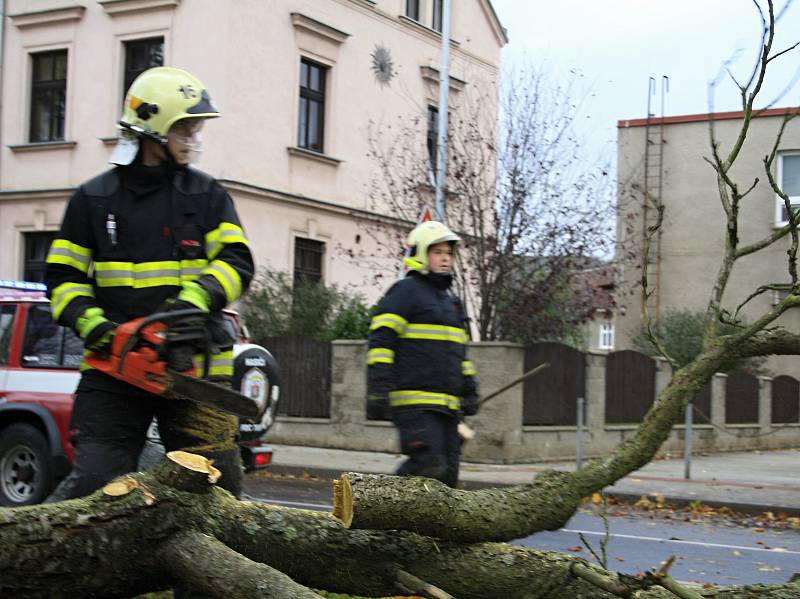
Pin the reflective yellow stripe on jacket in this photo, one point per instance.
(137, 274)
(380, 355)
(227, 277)
(399, 399)
(191, 269)
(435, 332)
(467, 368)
(71, 254)
(387, 319)
(65, 293)
(223, 235)
(221, 364)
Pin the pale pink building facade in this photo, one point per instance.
(299, 86)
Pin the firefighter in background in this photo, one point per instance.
(149, 235)
(417, 358)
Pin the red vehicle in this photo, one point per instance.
(39, 362)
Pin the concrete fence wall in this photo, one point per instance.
(500, 434)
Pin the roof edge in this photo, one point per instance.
(711, 116)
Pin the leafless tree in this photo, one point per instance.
(532, 210)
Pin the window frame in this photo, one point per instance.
(310, 95)
(432, 140)
(52, 86)
(127, 44)
(605, 339)
(794, 200)
(301, 273)
(40, 264)
(412, 9)
(437, 15)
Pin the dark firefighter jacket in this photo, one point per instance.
(418, 346)
(132, 235)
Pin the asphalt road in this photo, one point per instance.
(716, 552)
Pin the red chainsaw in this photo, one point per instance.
(143, 347)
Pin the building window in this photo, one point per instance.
(36, 247)
(412, 9)
(789, 181)
(48, 96)
(141, 55)
(432, 141)
(606, 336)
(312, 105)
(436, 20)
(308, 256)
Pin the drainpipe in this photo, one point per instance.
(444, 89)
(2, 74)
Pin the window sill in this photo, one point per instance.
(37, 146)
(432, 33)
(311, 154)
(118, 7)
(111, 140)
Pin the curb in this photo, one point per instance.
(751, 509)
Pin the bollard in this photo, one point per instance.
(687, 442)
(579, 438)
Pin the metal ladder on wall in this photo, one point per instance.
(653, 188)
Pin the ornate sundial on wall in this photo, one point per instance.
(382, 64)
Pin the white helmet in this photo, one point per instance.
(421, 238)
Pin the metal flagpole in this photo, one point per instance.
(444, 92)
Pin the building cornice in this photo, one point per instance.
(51, 16)
(497, 27)
(119, 7)
(36, 194)
(266, 193)
(301, 21)
(426, 31)
(367, 8)
(699, 118)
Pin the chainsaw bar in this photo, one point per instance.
(213, 395)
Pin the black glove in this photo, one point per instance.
(100, 337)
(378, 406)
(470, 405)
(180, 354)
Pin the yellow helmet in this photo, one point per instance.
(156, 100)
(421, 238)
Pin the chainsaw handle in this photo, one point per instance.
(165, 317)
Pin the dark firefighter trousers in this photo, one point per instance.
(430, 440)
(109, 430)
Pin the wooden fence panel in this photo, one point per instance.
(630, 386)
(785, 400)
(305, 376)
(550, 397)
(741, 398)
(702, 407)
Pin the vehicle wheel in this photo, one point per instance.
(26, 471)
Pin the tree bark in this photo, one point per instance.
(429, 507)
(142, 534)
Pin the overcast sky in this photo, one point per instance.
(618, 44)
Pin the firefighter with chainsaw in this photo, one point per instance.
(417, 358)
(150, 235)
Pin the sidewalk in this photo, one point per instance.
(750, 482)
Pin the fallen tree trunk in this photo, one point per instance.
(429, 507)
(147, 532)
